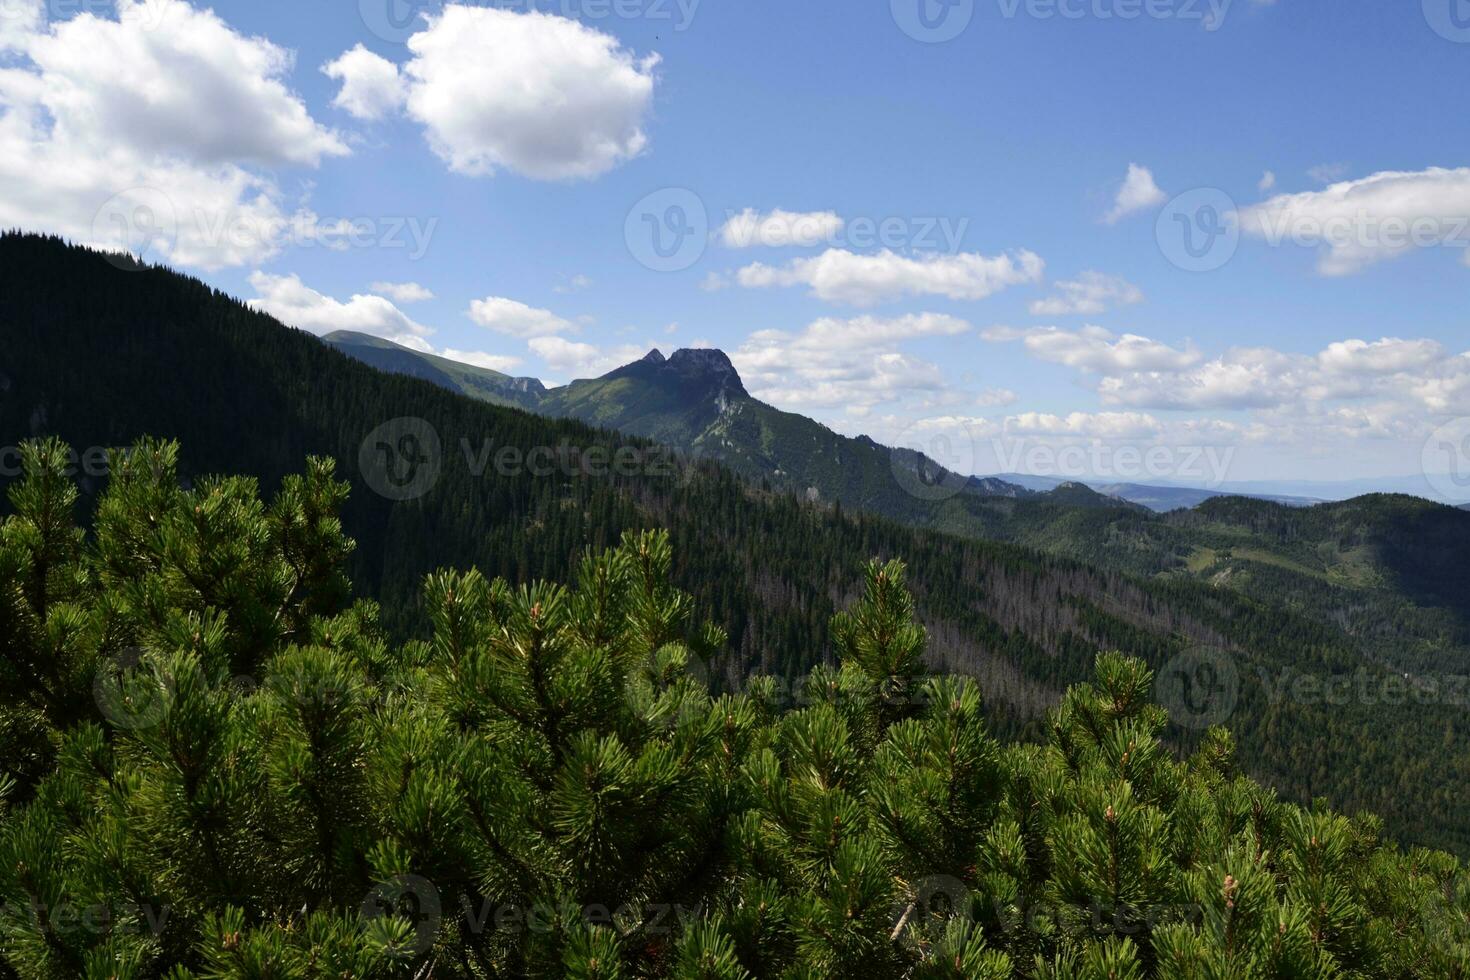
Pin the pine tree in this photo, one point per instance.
(216, 766)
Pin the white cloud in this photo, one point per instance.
(493, 362)
(995, 397)
(402, 292)
(830, 334)
(1267, 181)
(574, 359)
(853, 363)
(1095, 349)
(1407, 376)
(1138, 193)
(1387, 356)
(137, 132)
(508, 316)
(1239, 380)
(1089, 294)
(295, 304)
(168, 79)
(840, 276)
(539, 95)
(1093, 425)
(371, 85)
(779, 228)
(1360, 222)
(20, 20)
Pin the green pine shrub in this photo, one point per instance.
(214, 765)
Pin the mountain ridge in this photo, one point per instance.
(246, 395)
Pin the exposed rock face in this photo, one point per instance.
(713, 365)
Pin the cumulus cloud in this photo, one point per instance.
(20, 20)
(1096, 349)
(780, 228)
(402, 292)
(1137, 193)
(295, 304)
(1387, 356)
(511, 317)
(1131, 371)
(371, 85)
(1089, 294)
(139, 132)
(166, 78)
(1267, 181)
(1239, 380)
(996, 397)
(1359, 222)
(539, 95)
(1093, 425)
(574, 359)
(840, 276)
(494, 362)
(853, 364)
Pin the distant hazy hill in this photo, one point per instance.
(1160, 498)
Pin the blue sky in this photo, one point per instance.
(497, 159)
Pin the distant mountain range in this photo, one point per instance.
(1160, 498)
(1389, 548)
(695, 401)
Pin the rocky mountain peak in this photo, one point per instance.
(707, 363)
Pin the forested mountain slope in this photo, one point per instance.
(101, 355)
(695, 402)
(237, 776)
(1387, 569)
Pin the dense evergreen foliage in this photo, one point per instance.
(101, 354)
(219, 766)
